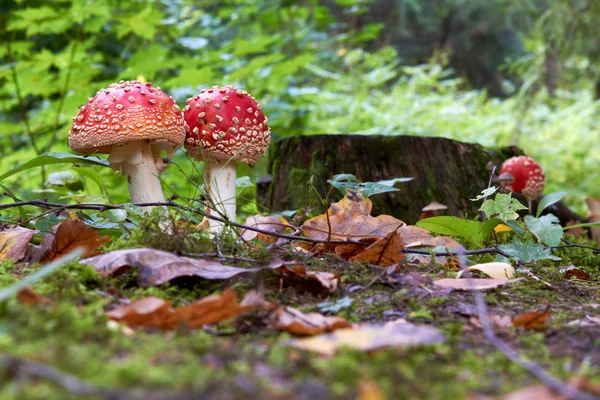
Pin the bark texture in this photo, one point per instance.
(444, 170)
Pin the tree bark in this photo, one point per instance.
(444, 170)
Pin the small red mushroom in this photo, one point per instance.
(133, 122)
(225, 125)
(527, 177)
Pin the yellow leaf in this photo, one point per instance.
(502, 228)
(496, 270)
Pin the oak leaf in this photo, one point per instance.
(385, 252)
(350, 218)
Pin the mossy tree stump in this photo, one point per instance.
(444, 170)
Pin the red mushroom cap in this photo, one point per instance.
(125, 112)
(529, 176)
(226, 123)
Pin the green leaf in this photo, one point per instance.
(584, 225)
(448, 225)
(546, 228)
(345, 182)
(488, 226)
(503, 206)
(527, 252)
(548, 200)
(243, 182)
(485, 193)
(39, 274)
(54, 158)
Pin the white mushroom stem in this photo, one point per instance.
(136, 162)
(219, 181)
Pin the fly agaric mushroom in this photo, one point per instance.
(525, 176)
(225, 125)
(134, 123)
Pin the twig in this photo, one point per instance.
(224, 257)
(533, 368)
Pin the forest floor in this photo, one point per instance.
(64, 347)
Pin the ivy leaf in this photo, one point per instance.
(485, 193)
(348, 182)
(528, 251)
(546, 228)
(503, 206)
(448, 225)
(548, 200)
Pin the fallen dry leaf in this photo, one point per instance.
(154, 312)
(268, 223)
(385, 252)
(29, 297)
(350, 218)
(368, 389)
(156, 267)
(369, 337)
(496, 270)
(70, 235)
(296, 322)
(472, 283)
(14, 243)
(496, 321)
(532, 319)
(575, 273)
(326, 280)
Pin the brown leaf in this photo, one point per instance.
(268, 223)
(472, 283)
(327, 281)
(154, 312)
(532, 319)
(350, 219)
(156, 267)
(14, 243)
(575, 273)
(296, 322)
(368, 389)
(369, 337)
(496, 321)
(386, 251)
(72, 234)
(29, 297)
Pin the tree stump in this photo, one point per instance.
(444, 170)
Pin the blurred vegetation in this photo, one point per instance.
(496, 72)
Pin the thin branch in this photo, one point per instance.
(533, 368)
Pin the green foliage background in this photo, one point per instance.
(317, 66)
